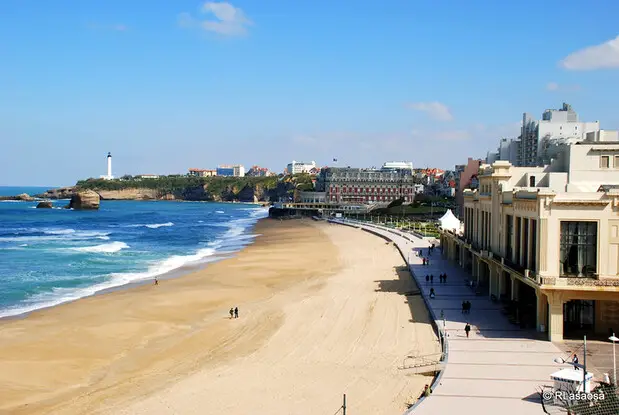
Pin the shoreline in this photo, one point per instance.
(314, 312)
(183, 270)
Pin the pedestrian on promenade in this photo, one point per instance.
(468, 307)
(575, 361)
(427, 261)
(467, 330)
(236, 312)
(432, 293)
(431, 278)
(463, 307)
(440, 278)
(427, 390)
(423, 260)
(427, 279)
(445, 278)
(231, 312)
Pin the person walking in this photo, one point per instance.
(445, 278)
(467, 329)
(236, 312)
(231, 312)
(432, 293)
(427, 279)
(468, 307)
(431, 278)
(463, 307)
(575, 361)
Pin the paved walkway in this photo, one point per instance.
(499, 368)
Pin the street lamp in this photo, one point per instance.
(614, 339)
(561, 360)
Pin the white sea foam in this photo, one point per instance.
(59, 231)
(151, 225)
(231, 241)
(108, 248)
(219, 211)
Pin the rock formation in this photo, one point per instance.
(46, 204)
(84, 200)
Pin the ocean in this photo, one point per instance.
(51, 256)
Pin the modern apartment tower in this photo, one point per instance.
(538, 137)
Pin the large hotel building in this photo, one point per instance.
(355, 185)
(546, 239)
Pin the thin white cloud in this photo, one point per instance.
(555, 87)
(552, 86)
(435, 110)
(451, 135)
(218, 17)
(602, 56)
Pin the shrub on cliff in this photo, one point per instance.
(172, 184)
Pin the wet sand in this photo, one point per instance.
(321, 314)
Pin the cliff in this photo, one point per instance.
(216, 189)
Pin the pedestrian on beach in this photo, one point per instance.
(427, 390)
(467, 330)
(156, 281)
(231, 312)
(236, 312)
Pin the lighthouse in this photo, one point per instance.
(109, 166)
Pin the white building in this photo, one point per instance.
(547, 238)
(508, 150)
(397, 165)
(536, 136)
(297, 167)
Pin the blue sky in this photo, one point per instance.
(168, 85)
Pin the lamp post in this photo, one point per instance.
(614, 339)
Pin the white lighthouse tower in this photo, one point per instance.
(108, 176)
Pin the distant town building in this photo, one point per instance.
(466, 178)
(397, 165)
(257, 171)
(202, 172)
(312, 197)
(297, 167)
(357, 185)
(146, 176)
(231, 170)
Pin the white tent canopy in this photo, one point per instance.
(450, 222)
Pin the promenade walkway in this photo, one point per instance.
(499, 368)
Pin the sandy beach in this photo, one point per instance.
(322, 313)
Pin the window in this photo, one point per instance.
(604, 162)
(616, 162)
(578, 248)
(531, 181)
(508, 236)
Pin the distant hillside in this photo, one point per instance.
(226, 189)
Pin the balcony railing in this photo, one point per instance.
(514, 266)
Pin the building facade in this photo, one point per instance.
(298, 167)
(356, 185)
(547, 239)
(257, 171)
(231, 170)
